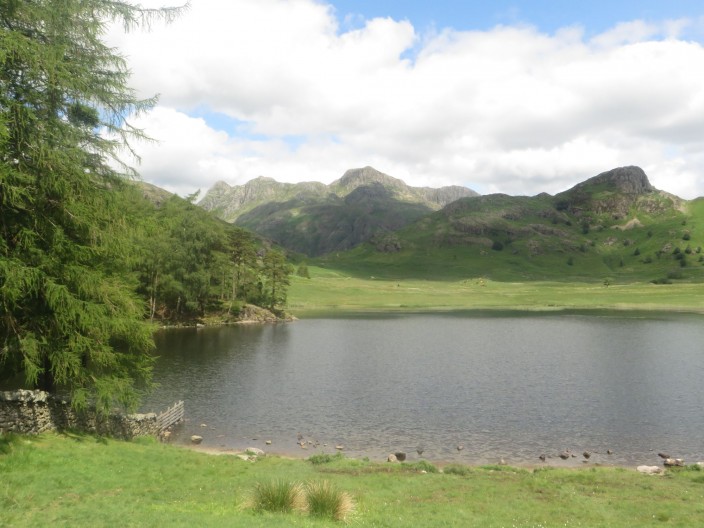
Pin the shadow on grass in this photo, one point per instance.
(7, 443)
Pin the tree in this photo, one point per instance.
(69, 318)
(276, 271)
(243, 256)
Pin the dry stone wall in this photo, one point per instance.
(34, 412)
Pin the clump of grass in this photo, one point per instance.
(279, 496)
(324, 458)
(457, 469)
(325, 500)
(423, 465)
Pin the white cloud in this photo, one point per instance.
(504, 110)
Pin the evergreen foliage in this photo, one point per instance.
(70, 319)
(191, 264)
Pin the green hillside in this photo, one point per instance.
(614, 227)
(314, 219)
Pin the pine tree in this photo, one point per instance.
(69, 319)
(276, 271)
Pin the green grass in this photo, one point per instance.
(329, 291)
(323, 499)
(278, 496)
(79, 481)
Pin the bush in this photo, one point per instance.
(674, 274)
(325, 500)
(457, 469)
(325, 458)
(661, 280)
(423, 465)
(636, 252)
(278, 496)
(570, 261)
(686, 236)
(302, 271)
(497, 246)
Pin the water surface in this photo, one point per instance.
(511, 387)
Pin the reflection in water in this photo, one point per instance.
(511, 387)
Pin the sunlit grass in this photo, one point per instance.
(325, 500)
(77, 481)
(328, 292)
(279, 496)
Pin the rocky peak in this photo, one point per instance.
(354, 178)
(629, 180)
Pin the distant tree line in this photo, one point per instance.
(189, 264)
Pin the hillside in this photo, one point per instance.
(313, 218)
(612, 227)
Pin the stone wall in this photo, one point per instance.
(34, 412)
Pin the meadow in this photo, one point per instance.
(333, 291)
(75, 480)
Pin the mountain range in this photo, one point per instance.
(313, 218)
(613, 224)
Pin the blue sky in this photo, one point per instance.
(595, 15)
(504, 96)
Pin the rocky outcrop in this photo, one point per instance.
(231, 202)
(253, 314)
(629, 180)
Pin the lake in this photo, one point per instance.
(501, 386)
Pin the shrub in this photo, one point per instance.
(661, 280)
(302, 271)
(325, 458)
(278, 496)
(686, 236)
(636, 252)
(457, 469)
(423, 465)
(497, 246)
(325, 500)
(570, 261)
(674, 274)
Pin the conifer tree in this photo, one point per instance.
(69, 319)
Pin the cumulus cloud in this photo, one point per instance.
(508, 109)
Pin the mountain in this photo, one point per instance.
(314, 218)
(614, 225)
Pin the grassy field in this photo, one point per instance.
(330, 291)
(77, 481)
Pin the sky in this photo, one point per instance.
(516, 97)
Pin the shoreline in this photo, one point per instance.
(552, 462)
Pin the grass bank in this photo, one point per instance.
(77, 481)
(330, 291)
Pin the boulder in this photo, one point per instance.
(255, 451)
(196, 439)
(673, 462)
(391, 458)
(649, 470)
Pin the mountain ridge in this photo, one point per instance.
(230, 202)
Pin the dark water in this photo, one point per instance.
(510, 387)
